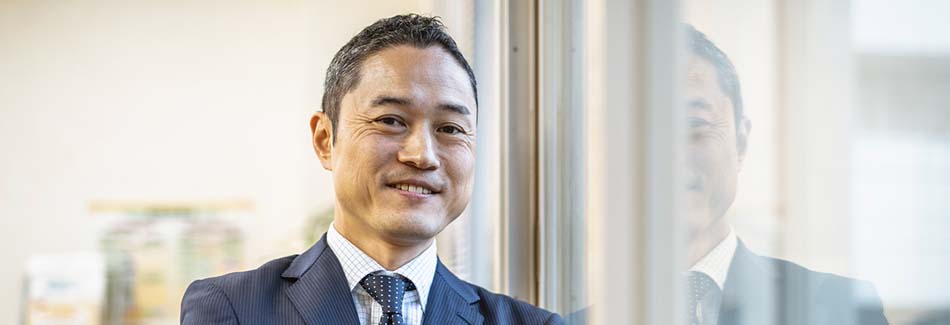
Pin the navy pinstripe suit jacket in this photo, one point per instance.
(312, 289)
(765, 290)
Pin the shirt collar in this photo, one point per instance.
(356, 264)
(716, 263)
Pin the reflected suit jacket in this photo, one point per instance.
(764, 290)
(311, 288)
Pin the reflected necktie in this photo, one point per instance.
(388, 291)
(700, 285)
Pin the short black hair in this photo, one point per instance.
(411, 29)
(701, 46)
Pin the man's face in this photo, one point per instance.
(404, 155)
(715, 148)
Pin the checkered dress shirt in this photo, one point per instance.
(716, 263)
(357, 265)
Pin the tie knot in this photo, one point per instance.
(387, 290)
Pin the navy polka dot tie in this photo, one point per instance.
(699, 285)
(388, 291)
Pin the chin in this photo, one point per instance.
(414, 228)
(698, 222)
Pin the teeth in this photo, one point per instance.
(413, 188)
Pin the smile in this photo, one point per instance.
(412, 188)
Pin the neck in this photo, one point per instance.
(705, 240)
(390, 254)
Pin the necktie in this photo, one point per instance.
(388, 291)
(700, 286)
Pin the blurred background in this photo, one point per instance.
(147, 144)
(170, 139)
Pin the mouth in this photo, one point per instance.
(411, 188)
(415, 187)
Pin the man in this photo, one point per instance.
(397, 131)
(729, 284)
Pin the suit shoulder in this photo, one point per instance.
(517, 311)
(796, 273)
(833, 292)
(229, 298)
(266, 275)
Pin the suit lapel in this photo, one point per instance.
(451, 301)
(319, 290)
(749, 293)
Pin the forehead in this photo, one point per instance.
(703, 88)
(411, 70)
(700, 73)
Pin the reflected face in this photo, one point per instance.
(715, 148)
(404, 155)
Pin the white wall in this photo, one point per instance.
(162, 100)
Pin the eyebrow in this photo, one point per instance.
(397, 101)
(389, 100)
(455, 108)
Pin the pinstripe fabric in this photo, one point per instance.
(312, 289)
(765, 290)
(214, 305)
(453, 301)
(357, 265)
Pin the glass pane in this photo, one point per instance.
(561, 165)
(814, 190)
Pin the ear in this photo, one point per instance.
(742, 138)
(322, 136)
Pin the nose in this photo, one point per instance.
(418, 150)
(689, 169)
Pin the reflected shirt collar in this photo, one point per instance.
(356, 264)
(716, 263)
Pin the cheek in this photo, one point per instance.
(460, 167)
(367, 152)
(702, 157)
(712, 157)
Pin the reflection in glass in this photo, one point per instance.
(728, 283)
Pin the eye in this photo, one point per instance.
(390, 121)
(450, 129)
(695, 123)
